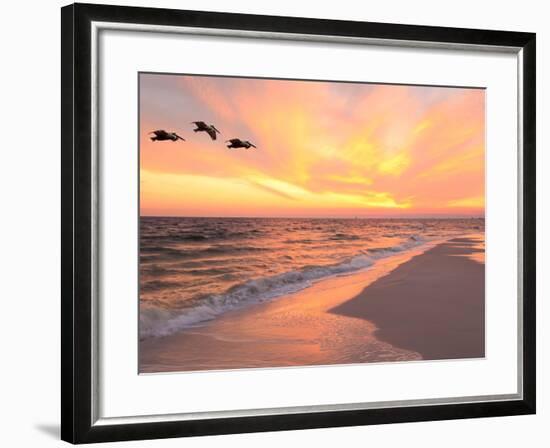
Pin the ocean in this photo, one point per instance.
(194, 270)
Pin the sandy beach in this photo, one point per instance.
(424, 304)
(433, 305)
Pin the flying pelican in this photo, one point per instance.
(201, 126)
(238, 143)
(162, 135)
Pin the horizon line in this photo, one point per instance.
(319, 217)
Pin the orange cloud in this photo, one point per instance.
(323, 148)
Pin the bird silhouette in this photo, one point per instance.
(201, 126)
(162, 135)
(238, 143)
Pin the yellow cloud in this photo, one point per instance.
(204, 195)
(395, 165)
(465, 161)
(424, 124)
(474, 202)
(350, 179)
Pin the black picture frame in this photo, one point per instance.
(77, 424)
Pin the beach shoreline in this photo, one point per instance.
(331, 322)
(434, 304)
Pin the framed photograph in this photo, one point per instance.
(275, 223)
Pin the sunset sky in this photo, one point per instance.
(325, 149)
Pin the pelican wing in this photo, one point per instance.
(235, 141)
(212, 133)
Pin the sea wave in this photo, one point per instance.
(343, 236)
(193, 236)
(168, 253)
(155, 322)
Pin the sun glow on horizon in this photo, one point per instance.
(323, 149)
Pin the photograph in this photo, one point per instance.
(283, 220)
(295, 223)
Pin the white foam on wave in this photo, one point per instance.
(156, 322)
